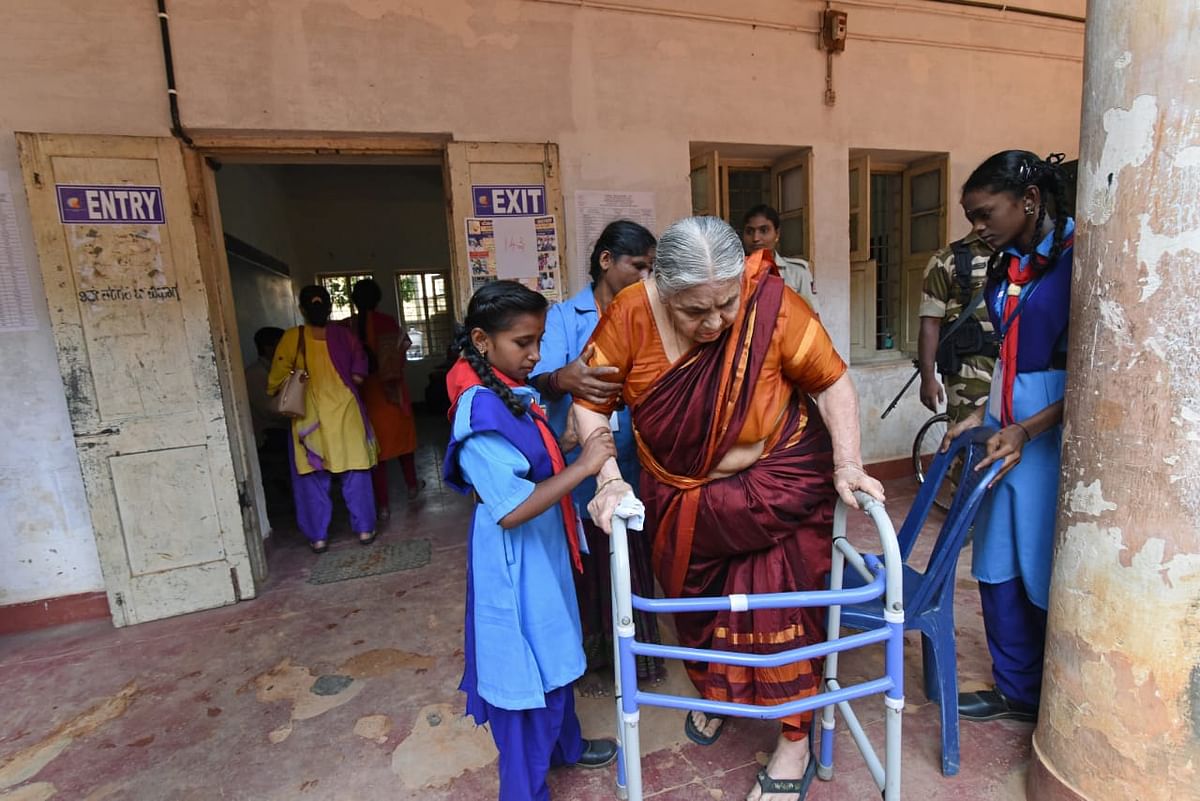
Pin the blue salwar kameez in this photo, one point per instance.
(523, 644)
(1014, 533)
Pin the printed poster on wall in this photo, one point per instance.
(595, 209)
(522, 249)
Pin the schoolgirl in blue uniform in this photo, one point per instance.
(523, 642)
(1028, 295)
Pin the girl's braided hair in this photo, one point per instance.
(492, 309)
(1014, 171)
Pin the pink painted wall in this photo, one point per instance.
(622, 92)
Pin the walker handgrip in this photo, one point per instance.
(865, 501)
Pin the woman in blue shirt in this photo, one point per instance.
(621, 256)
(522, 643)
(1028, 295)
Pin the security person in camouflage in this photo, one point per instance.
(951, 283)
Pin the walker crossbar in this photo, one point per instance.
(775, 712)
(770, 600)
(819, 649)
(883, 578)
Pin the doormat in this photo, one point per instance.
(374, 560)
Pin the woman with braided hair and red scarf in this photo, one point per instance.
(522, 645)
(1028, 296)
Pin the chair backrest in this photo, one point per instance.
(968, 495)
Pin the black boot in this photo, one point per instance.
(597, 753)
(994, 705)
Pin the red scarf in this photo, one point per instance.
(1017, 278)
(462, 377)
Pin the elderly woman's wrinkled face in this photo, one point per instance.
(701, 313)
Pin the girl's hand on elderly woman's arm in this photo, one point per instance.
(850, 476)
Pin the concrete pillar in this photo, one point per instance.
(1120, 714)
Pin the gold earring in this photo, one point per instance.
(1028, 209)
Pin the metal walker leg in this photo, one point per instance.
(884, 578)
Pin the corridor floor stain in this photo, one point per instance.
(227, 698)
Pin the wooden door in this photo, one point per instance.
(118, 254)
(791, 194)
(860, 208)
(706, 185)
(924, 219)
(508, 178)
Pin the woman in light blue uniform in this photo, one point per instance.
(621, 256)
(1028, 295)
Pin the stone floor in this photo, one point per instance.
(346, 691)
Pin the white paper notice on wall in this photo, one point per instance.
(16, 292)
(595, 209)
(516, 247)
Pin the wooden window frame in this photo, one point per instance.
(718, 187)
(360, 274)
(447, 274)
(912, 264)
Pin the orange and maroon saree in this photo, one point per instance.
(764, 529)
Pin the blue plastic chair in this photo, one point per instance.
(929, 595)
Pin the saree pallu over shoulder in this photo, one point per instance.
(764, 529)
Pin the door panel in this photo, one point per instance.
(130, 318)
(791, 185)
(924, 217)
(706, 185)
(471, 164)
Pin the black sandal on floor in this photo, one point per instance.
(798, 786)
(698, 737)
(367, 537)
(322, 548)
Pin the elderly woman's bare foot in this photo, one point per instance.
(789, 762)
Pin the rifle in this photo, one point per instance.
(896, 400)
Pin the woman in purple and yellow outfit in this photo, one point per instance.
(1028, 296)
(334, 436)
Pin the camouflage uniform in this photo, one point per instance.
(968, 390)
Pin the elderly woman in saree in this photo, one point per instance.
(747, 430)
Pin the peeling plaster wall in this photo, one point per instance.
(622, 93)
(1121, 709)
(45, 527)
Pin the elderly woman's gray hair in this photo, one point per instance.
(695, 251)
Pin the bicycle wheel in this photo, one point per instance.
(925, 446)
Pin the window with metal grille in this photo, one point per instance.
(747, 189)
(897, 223)
(338, 285)
(424, 301)
(885, 250)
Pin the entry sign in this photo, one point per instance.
(509, 201)
(110, 205)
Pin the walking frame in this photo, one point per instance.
(883, 579)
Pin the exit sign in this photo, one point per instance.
(509, 201)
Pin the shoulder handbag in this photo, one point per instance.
(289, 401)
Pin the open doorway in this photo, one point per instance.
(287, 226)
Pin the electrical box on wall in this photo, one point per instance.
(833, 30)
